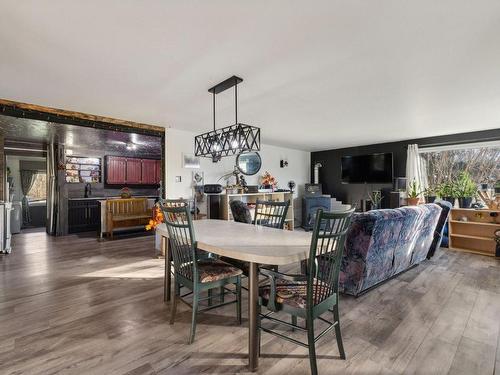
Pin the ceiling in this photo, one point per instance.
(317, 75)
(33, 134)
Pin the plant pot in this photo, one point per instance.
(464, 202)
(430, 198)
(449, 199)
(412, 201)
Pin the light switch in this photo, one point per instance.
(178, 178)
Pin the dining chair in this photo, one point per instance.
(168, 258)
(194, 272)
(267, 214)
(271, 213)
(310, 295)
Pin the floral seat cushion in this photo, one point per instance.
(292, 293)
(214, 270)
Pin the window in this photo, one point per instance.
(480, 160)
(39, 189)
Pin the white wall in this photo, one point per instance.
(179, 142)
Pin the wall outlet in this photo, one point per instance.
(178, 179)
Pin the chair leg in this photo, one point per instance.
(294, 321)
(174, 306)
(238, 300)
(221, 291)
(311, 345)
(338, 335)
(259, 334)
(193, 319)
(210, 297)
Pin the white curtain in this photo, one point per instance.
(415, 169)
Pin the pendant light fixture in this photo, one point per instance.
(231, 140)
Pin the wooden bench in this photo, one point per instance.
(126, 213)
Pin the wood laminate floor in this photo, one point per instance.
(78, 306)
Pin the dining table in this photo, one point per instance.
(254, 244)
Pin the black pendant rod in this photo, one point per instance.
(214, 109)
(236, 101)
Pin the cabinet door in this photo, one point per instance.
(134, 171)
(158, 176)
(148, 171)
(115, 170)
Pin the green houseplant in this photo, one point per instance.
(430, 194)
(446, 191)
(413, 194)
(465, 189)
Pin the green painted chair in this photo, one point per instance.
(271, 213)
(194, 270)
(169, 203)
(311, 295)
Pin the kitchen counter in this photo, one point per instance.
(115, 197)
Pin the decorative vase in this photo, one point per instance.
(464, 202)
(412, 201)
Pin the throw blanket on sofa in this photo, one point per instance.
(383, 243)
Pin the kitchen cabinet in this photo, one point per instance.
(116, 170)
(149, 171)
(134, 171)
(84, 215)
(158, 171)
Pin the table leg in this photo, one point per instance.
(168, 265)
(253, 329)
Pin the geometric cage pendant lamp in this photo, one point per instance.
(232, 139)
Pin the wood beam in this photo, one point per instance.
(19, 109)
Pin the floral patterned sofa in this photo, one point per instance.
(383, 243)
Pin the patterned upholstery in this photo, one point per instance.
(291, 293)
(240, 212)
(383, 243)
(213, 270)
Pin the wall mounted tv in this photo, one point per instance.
(373, 168)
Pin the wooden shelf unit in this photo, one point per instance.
(251, 198)
(83, 169)
(476, 233)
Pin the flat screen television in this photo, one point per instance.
(373, 168)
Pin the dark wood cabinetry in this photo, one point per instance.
(84, 215)
(132, 171)
(116, 170)
(149, 171)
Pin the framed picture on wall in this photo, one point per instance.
(190, 161)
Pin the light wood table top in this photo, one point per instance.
(249, 243)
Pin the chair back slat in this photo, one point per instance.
(271, 213)
(325, 255)
(181, 238)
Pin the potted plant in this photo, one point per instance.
(446, 192)
(430, 194)
(125, 193)
(268, 181)
(413, 194)
(465, 189)
(376, 198)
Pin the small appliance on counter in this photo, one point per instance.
(213, 192)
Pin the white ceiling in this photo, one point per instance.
(317, 75)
